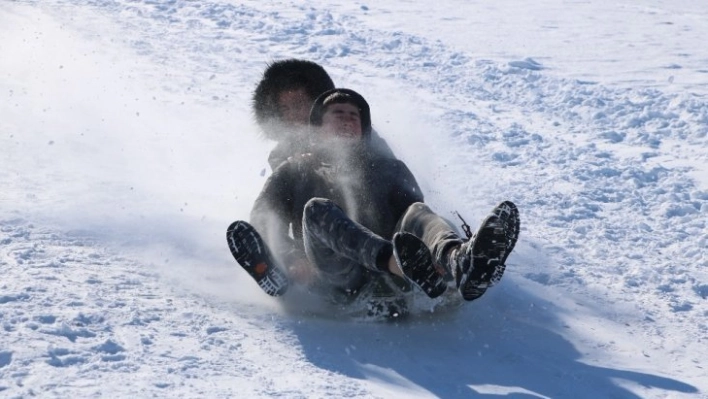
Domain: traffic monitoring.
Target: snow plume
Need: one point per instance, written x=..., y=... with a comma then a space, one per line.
x=127, y=147
x=159, y=181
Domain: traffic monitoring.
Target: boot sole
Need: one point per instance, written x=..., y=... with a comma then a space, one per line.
x=251, y=252
x=494, y=242
x=416, y=263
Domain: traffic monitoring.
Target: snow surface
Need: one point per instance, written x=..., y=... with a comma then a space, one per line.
x=127, y=147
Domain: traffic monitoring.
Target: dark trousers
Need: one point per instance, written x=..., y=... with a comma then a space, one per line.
x=347, y=253
x=344, y=251
x=436, y=232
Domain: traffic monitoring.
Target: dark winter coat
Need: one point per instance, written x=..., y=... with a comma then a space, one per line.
x=297, y=144
x=372, y=190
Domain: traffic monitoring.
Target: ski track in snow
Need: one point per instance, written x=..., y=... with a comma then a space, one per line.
x=610, y=182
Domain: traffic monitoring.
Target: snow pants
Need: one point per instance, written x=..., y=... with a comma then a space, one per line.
x=347, y=253
x=435, y=231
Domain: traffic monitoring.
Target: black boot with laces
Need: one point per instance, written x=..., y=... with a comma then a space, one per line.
x=479, y=263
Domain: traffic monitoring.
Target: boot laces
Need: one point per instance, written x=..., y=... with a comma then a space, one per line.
x=465, y=227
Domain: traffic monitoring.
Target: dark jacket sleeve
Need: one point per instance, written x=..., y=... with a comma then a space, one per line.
x=273, y=211
x=292, y=145
x=380, y=147
x=405, y=191
x=278, y=155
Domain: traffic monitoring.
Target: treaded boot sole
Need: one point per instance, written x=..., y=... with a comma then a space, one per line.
x=416, y=263
x=251, y=252
x=488, y=249
x=508, y=215
x=494, y=242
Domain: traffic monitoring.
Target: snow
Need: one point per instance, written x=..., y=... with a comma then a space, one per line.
x=127, y=147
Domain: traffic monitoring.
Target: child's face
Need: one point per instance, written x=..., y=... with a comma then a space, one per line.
x=342, y=120
x=294, y=107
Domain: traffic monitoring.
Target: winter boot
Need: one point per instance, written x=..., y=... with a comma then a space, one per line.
x=416, y=263
x=480, y=262
x=253, y=255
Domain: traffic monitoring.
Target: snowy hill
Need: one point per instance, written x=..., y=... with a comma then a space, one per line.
x=127, y=147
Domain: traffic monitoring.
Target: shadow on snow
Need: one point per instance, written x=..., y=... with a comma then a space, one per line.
x=472, y=352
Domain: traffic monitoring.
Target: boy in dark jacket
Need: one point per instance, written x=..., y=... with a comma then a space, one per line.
x=355, y=215
x=281, y=104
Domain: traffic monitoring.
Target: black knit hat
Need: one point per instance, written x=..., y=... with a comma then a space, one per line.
x=342, y=96
x=281, y=76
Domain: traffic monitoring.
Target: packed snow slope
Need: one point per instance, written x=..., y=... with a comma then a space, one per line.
x=127, y=147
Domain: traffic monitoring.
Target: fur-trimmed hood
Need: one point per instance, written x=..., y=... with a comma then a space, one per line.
x=281, y=76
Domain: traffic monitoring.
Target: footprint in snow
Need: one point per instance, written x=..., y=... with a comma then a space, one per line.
x=5, y=358
x=528, y=63
x=62, y=357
